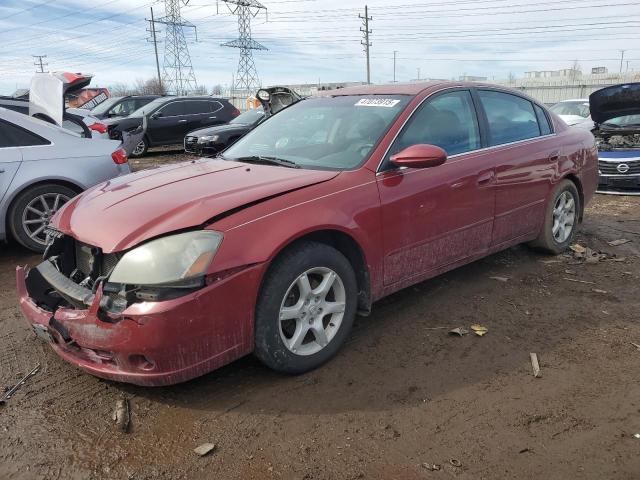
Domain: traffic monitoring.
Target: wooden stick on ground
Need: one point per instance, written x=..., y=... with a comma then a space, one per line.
x=535, y=365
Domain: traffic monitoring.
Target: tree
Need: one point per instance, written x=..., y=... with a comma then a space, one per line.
x=200, y=90
x=216, y=90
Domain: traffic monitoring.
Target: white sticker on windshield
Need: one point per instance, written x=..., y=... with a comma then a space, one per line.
x=377, y=102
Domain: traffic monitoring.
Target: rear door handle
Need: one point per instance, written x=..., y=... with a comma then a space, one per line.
x=486, y=178
x=554, y=156
x=182, y=121
x=213, y=117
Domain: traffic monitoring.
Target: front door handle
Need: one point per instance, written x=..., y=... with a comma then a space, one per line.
x=553, y=157
x=182, y=121
x=213, y=117
x=486, y=178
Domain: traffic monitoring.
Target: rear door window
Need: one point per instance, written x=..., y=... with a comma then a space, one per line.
x=13, y=136
x=448, y=121
x=543, y=121
x=196, y=107
x=511, y=118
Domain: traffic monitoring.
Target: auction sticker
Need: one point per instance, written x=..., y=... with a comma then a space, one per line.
x=377, y=102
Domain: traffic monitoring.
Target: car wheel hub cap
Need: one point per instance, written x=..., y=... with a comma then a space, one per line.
x=312, y=311
x=564, y=216
x=37, y=215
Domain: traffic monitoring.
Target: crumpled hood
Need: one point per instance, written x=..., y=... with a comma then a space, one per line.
x=119, y=214
x=615, y=101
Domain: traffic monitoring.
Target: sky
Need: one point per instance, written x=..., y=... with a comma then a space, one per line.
x=312, y=41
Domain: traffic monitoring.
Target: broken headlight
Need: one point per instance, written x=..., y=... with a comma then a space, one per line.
x=174, y=260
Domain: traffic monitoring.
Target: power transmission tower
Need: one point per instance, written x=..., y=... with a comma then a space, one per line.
x=365, y=32
x=37, y=61
x=177, y=75
x=152, y=31
x=247, y=76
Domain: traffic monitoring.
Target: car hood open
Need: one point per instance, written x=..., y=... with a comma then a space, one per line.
x=615, y=101
x=125, y=211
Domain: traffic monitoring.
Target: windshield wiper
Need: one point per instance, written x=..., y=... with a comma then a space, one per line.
x=266, y=159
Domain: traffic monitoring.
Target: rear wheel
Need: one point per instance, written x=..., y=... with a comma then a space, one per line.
x=32, y=210
x=305, y=309
x=561, y=219
x=141, y=148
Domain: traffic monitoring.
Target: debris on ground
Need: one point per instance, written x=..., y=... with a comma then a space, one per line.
x=587, y=255
x=636, y=345
x=432, y=467
x=121, y=414
x=455, y=462
x=636, y=435
x=479, y=329
x=620, y=241
x=535, y=365
x=13, y=389
x=460, y=331
x=577, y=248
x=597, y=290
x=578, y=281
x=500, y=279
x=205, y=449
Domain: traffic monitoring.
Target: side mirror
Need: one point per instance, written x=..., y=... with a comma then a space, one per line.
x=420, y=156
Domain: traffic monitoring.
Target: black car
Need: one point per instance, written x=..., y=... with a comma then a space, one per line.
x=214, y=139
x=166, y=120
x=121, y=106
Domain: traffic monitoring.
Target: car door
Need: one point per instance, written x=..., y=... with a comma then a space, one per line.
x=519, y=136
x=124, y=108
x=434, y=217
x=167, y=124
x=11, y=137
x=202, y=113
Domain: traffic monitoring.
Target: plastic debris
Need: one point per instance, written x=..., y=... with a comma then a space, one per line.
x=205, y=449
x=636, y=435
x=620, y=241
x=578, y=248
x=460, y=331
x=121, y=414
x=455, y=462
x=597, y=290
x=432, y=467
x=500, y=279
x=479, y=329
x=535, y=365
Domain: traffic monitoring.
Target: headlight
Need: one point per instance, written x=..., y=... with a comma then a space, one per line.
x=208, y=138
x=168, y=260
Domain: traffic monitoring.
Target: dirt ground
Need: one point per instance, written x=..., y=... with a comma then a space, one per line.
x=401, y=396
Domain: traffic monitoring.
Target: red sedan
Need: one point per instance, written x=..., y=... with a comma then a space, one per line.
x=274, y=246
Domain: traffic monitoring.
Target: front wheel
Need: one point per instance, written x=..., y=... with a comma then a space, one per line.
x=561, y=219
x=305, y=308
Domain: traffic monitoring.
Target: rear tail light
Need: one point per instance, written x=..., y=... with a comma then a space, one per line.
x=120, y=156
x=235, y=112
x=98, y=127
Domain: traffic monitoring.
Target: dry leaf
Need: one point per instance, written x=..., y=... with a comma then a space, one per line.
x=479, y=329
x=578, y=248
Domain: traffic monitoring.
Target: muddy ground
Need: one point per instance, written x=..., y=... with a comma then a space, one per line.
x=401, y=396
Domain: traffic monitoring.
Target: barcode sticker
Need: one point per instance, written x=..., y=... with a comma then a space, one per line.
x=377, y=102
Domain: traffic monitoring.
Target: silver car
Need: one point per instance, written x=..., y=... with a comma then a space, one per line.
x=42, y=166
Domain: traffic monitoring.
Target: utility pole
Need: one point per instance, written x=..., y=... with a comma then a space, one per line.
x=366, y=43
x=152, y=30
x=621, y=59
x=246, y=79
x=394, y=65
x=37, y=61
x=418, y=73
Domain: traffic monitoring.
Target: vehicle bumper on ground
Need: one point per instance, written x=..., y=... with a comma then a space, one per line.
x=152, y=343
x=619, y=172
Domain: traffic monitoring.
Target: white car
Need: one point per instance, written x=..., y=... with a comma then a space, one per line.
x=42, y=166
x=573, y=112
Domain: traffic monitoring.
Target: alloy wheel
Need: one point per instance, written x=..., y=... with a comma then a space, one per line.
x=38, y=212
x=139, y=150
x=312, y=311
x=564, y=217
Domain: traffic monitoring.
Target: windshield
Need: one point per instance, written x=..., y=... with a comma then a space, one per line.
x=624, y=121
x=142, y=111
x=106, y=105
x=579, y=108
x=334, y=133
x=249, y=117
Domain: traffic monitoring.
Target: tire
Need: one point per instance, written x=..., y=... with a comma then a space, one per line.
x=549, y=239
x=281, y=289
x=141, y=148
x=25, y=208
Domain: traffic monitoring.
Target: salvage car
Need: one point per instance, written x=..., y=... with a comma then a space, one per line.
x=122, y=106
x=616, y=116
x=166, y=120
x=42, y=167
x=572, y=111
x=214, y=139
x=324, y=208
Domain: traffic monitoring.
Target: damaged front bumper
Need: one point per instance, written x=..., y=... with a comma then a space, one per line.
x=149, y=343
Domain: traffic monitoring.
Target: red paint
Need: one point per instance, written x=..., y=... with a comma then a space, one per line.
x=410, y=224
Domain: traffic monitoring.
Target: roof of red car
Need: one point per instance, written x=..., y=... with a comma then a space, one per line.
x=389, y=89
